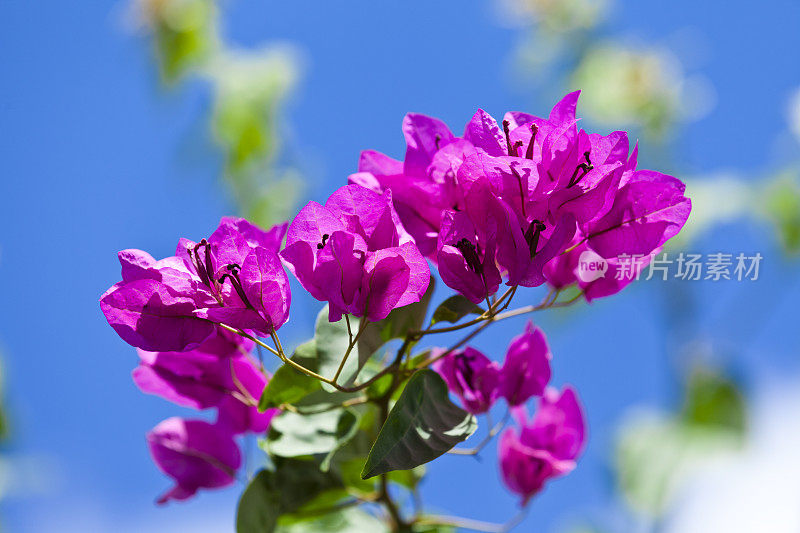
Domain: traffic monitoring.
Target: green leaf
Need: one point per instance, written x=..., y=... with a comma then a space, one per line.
x=408, y=478
x=655, y=455
x=350, y=471
x=714, y=401
x=396, y=325
x=422, y=425
x=380, y=386
x=272, y=493
x=306, y=355
x=287, y=386
x=454, y=309
x=320, y=505
x=346, y=429
x=296, y=435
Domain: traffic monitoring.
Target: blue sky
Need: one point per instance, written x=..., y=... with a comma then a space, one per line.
x=95, y=158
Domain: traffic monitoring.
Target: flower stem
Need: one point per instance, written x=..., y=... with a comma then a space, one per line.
x=353, y=341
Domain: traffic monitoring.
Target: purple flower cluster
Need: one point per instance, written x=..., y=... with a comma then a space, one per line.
x=219, y=374
x=548, y=445
x=524, y=200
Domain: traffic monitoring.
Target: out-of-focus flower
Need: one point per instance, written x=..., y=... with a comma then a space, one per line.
x=641, y=86
x=471, y=376
x=238, y=412
x=195, y=454
x=526, y=370
x=479, y=382
x=353, y=253
x=235, y=277
x=564, y=16
x=199, y=378
x=546, y=447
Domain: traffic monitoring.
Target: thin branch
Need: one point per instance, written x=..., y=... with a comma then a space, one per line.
x=475, y=525
x=248, y=336
x=353, y=342
x=349, y=331
x=547, y=303
x=487, y=315
x=486, y=440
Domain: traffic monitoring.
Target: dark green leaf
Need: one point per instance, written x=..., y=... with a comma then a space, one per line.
x=323, y=503
x=454, y=309
x=422, y=425
x=273, y=493
x=712, y=400
x=287, y=386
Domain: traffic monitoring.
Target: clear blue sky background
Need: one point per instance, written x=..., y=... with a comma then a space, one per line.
x=95, y=158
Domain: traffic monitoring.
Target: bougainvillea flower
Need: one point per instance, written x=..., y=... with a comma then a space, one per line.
x=195, y=454
x=471, y=376
x=614, y=273
x=239, y=267
x=353, y=253
x=546, y=447
x=425, y=184
x=198, y=378
x=153, y=306
x=466, y=257
x=649, y=209
x=526, y=370
x=543, y=171
x=235, y=277
x=238, y=412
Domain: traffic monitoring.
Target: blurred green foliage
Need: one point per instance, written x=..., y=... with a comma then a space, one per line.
x=641, y=86
x=715, y=402
x=626, y=86
x=782, y=207
x=184, y=33
x=249, y=89
x=656, y=452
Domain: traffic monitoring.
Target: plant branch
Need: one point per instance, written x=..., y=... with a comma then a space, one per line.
x=486, y=440
x=475, y=525
x=353, y=341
